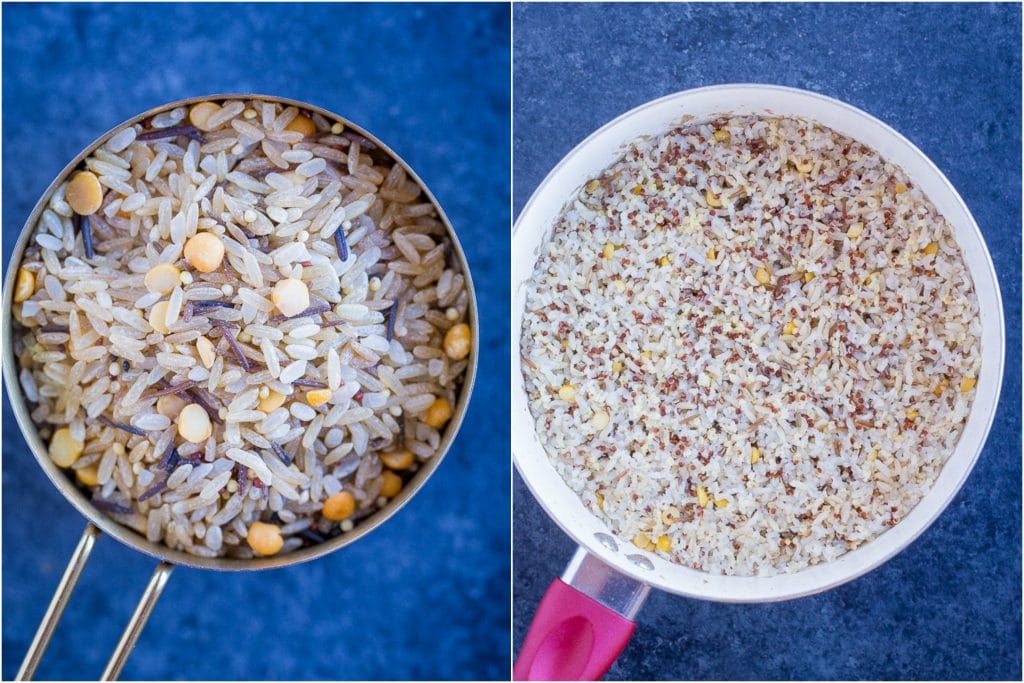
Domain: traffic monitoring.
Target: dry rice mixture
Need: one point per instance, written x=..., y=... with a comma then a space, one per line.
x=241, y=327
x=750, y=345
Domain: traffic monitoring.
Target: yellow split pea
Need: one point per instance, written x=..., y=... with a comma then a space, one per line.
x=162, y=278
x=65, y=448
x=170, y=406
x=457, y=342
x=205, y=349
x=439, y=412
x=318, y=397
x=204, y=251
x=702, y=496
x=25, y=285
x=158, y=317
x=643, y=541
x=340, y=506
x=264, y=539
x=290, y=296
x=194, y=424
x=88, y=475
x=391, y=484
x=271, y=402
x=398, y=460
x=84, y=193
x=201, y=113
x=302, y=124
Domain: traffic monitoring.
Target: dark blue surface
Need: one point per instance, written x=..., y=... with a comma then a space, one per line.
x=948, y=77
x=427, y=594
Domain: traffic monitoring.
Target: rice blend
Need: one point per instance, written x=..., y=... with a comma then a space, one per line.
x=238, y=315
x=750, y=345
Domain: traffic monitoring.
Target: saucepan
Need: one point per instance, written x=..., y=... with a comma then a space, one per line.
x=587, y=616
x=99, y=522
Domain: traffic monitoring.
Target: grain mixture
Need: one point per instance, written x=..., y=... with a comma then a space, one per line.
x=750, y=345
x=241, y=328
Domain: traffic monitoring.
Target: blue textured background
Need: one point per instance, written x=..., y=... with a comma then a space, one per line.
x=427, y=594
x=948, y=77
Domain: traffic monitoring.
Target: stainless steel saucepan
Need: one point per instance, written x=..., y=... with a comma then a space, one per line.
x=99, y=522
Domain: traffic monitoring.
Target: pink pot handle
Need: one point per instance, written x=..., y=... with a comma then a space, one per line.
x=572, y=638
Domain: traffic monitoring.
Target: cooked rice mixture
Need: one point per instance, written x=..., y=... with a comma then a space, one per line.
x=242, y=328
x=750, y=345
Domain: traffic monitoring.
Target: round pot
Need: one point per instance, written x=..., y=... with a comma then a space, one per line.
x=613, y=573
x=98, y=520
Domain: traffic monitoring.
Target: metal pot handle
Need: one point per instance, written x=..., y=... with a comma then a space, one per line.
x=63, y=594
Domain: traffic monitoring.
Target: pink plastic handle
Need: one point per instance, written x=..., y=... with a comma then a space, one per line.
x=572, y=638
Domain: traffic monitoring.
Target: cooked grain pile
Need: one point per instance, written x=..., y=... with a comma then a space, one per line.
x=750, y=345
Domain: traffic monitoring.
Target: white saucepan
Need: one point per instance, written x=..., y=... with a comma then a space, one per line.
x=585, y=619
